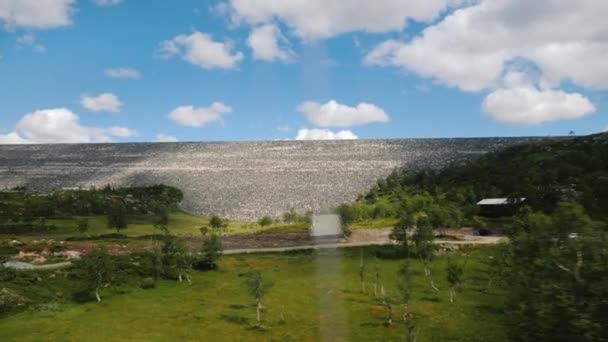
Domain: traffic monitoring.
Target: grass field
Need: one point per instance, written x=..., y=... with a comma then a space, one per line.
x=180, y=223
x=317, y=292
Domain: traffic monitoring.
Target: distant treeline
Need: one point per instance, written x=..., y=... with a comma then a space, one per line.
x=20, y=205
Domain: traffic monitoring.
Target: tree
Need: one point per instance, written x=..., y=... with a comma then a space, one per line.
x=217, y=223
x=404, y=285
x=399, y=232
x=83, y=226
x=290, y=217
x=257, y=289
x=265, y=221
x=361, y=271
x=376, y=276
x=162, y=215
x=425, y=249
x=557, y=282
x=211, y=250
x=98, y=270
x=176, y=263
x=388, y=305
x=117, y=215
x=454, y=273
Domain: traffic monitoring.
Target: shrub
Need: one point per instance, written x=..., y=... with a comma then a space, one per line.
x=8, y=250
x=148, y=283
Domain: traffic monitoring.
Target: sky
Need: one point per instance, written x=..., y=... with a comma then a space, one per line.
x=74, y=71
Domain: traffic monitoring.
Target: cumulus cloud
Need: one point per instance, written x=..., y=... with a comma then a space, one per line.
x=264, y=42
x=471, y=47
x=107, y=2
x=59, y=125
x=320, y=19
x=201, y=50
x=334, y=114
x=36, y=14
x=123, y=72
x=524, y=104
x=107, y=102
x=13, y=138
x=324, y=134
x=198, y=117
x=165, y=138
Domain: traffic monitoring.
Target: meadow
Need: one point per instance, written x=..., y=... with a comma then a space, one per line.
x=316, y=295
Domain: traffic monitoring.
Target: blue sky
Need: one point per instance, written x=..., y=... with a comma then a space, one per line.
x=194, y=70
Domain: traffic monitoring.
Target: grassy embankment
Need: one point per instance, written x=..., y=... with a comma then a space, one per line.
x=317, y=292
x=181, y=223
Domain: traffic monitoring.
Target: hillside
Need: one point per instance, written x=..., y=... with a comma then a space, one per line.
x=545, y=172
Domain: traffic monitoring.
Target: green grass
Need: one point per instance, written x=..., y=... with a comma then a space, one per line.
x=384, y=222
x=180, y=223
x=318, y=292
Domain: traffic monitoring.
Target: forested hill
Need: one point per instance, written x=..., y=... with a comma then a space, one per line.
x=545, y=172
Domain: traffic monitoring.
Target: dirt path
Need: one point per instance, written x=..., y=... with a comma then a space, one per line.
x=368, y=237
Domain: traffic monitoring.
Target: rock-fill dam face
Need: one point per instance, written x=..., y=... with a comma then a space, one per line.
x=238, y=180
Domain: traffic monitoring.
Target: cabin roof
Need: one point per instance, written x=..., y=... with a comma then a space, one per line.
x=500, y=201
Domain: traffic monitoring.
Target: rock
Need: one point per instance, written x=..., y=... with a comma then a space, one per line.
x=15, y=243
x=39, y=260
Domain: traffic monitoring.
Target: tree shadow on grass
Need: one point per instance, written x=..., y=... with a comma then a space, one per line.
x=235, y=319
x=431, y=299
x=237, y=306
x=490, y=309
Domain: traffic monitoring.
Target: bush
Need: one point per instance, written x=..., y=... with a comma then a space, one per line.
x=148, y=283
x=83, y=295
x=8, y=250
x=7, y=274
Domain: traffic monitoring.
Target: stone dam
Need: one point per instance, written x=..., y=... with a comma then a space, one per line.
x=238, y=180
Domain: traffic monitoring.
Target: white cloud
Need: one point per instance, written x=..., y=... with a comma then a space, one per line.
x=334, y=114
x=103, y=102
x=59, y=125
x=471, y=48
x=12, y=139
x=264, y=41
x=29, y=39
x=124, y=72
x=201, y=50
x=121, y=132
x=198, y=117
x=165, y=138
x=36, y=14
x=107, y=2
x=320, y=19
x=324, y=134
x=525, y=104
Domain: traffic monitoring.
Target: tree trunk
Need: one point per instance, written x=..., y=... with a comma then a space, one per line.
x=179, y=277
x=188, y=279
x=375, y=290
x=490, y=281
x=258, y=311
x=389, y=319
x=97, y=294
x=451, y=295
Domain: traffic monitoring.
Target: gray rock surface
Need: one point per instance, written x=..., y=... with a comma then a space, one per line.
x=238, y=180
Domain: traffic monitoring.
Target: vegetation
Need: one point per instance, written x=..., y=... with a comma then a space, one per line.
x=557, y=276
x=217, y=303
x=265, y=221
x=545, y=173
